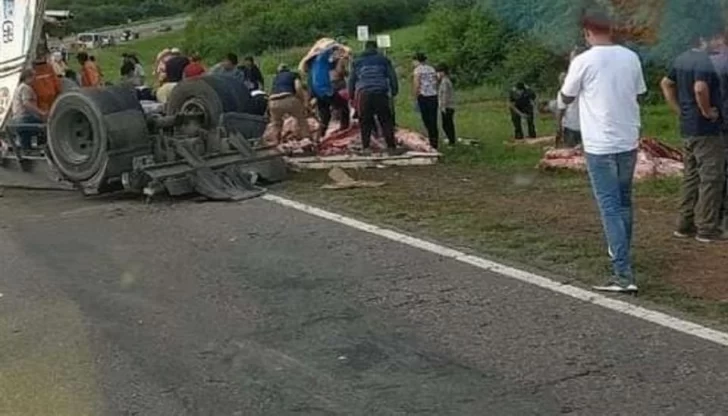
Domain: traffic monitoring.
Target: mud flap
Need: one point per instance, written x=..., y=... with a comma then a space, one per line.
x=230, y=183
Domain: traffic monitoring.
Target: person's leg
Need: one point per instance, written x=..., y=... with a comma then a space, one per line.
x=428, y=112
x=344, y=113
x=689, y=193
x=297, y=109
x=708, y=152
x=448, y=124
x=626, y=163
x=383, y=111
x=531, y=125
x=724, y=213
x=276, y=117
x=569, y=137
x=393, y=106
x=366, y=118
x=517, y=127
x=604, y=174
x=323, y=104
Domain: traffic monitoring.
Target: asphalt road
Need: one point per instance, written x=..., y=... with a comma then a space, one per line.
x=145, y=29
x=117, y=308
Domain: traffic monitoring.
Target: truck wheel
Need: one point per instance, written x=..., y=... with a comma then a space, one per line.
x=95, y=133
x=213, y=95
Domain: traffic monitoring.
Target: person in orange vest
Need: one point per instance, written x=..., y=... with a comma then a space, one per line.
x=46, y=84
x=90, y=76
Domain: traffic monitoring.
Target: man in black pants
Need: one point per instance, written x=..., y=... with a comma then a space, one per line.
x=374, y=82
x=522, y=103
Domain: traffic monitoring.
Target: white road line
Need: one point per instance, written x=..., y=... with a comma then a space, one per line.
x=626, y=308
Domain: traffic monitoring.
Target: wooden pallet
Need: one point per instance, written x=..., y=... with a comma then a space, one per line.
x=360, y=162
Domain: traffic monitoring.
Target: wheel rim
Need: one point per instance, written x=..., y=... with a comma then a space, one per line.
x=76, y=139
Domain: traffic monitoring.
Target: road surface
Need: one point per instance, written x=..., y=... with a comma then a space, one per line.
x=112, y=307
x=145, y=29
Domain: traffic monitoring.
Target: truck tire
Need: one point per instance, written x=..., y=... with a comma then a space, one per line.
x=213, y=95
x=94, y=133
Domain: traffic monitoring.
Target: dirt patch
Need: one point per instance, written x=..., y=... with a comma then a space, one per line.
x=545, y=220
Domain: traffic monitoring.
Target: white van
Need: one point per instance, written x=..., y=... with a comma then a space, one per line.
x=88, y=40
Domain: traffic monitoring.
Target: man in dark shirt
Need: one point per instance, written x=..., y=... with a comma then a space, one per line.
x=175, y=66
x=253, y=76
x=522, y=103
x=692, y=89
x=373, y=81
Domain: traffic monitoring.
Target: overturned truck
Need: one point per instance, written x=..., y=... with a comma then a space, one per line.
x=101, y=140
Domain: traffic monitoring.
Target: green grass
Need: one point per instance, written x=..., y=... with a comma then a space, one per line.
x=491, y=198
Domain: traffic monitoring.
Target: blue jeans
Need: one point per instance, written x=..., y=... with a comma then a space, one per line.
x=611, y=179
x=26, y=133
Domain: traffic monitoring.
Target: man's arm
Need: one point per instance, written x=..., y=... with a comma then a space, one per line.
x=572, y=82
x=702, y=98
x=352, y=81
x=392, y=75
x=259, y=75
x=415, y=85
x=30, y=104
x=669, y=91
x=512, y=106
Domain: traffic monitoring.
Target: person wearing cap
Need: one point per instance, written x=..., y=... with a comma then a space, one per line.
x=288, y=97
x=522, y=103
x=424, y=89
x=607, y=80
x=373, y=80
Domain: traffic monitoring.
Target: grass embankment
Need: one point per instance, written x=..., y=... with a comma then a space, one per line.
x=491, y=198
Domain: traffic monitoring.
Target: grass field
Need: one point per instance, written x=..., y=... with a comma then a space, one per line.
x=492, y=199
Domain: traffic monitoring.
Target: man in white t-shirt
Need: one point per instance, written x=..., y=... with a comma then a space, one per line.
x=607, y=80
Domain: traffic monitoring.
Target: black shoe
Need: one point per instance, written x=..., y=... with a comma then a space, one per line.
x=396, y=151
x=366, y=152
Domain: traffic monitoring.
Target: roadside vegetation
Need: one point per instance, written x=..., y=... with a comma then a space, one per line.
x=489, y=197
x=94, y=14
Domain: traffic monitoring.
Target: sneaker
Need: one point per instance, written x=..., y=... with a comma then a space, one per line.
x=682, y=234
x=614, y=286
x=706, y=239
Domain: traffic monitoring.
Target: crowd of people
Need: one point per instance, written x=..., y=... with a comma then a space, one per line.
x=598, y=107
x=368, y=85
